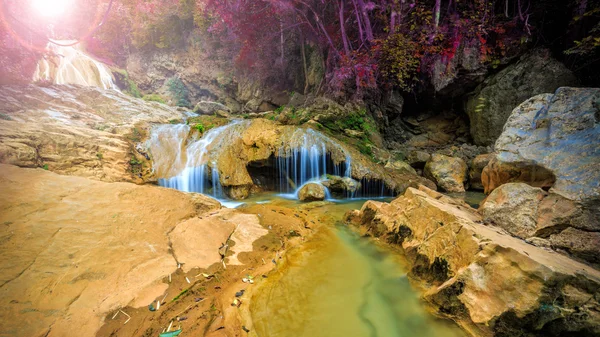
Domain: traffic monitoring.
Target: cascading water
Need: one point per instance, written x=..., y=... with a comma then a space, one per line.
x=72, y=65
x=191, y=169
x=307, y=159
x=303, y=156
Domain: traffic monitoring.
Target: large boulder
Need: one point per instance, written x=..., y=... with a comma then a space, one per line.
x=476, y=166
x=450, y=174
x=490, y=105
x=489, y=282
x=210, y=108
x=341, y=185
x=544, y=219
x=400, y=166
x=312, y=192
x=514, y=207
x=552, y=140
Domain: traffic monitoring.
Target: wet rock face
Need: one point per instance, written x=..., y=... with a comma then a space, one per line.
x=493, y=284
x=551, y=140
x=544, y=219
x=492, y=102
x=341, y=185
x=312, y=192
x=75, y=130
x=450, y=174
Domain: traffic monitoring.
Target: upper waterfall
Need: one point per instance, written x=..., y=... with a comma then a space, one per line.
x=71, y=65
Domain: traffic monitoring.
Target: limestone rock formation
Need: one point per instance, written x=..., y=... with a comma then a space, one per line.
x=544, y=219
x=259, y=143
x=312, y=192
x=490, y=282
x=75, y=130
x=492, y=102
x=551, y=140
x=450, y=174
x=476, y=166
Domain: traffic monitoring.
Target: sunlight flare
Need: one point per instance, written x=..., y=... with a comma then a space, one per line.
x=51, y=8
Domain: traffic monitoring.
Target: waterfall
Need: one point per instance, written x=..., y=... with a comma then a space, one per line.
x=71, y=65
x=190, y=163
x=308, y=158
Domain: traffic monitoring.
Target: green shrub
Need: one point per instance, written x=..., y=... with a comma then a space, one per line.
x=179, y=91
x=154, y=98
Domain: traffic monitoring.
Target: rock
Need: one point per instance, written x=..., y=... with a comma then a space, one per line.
x=489, y=282
x=97, y=247
x=581, y=244
x=297, y=100
x=312, y=192
x=210, y=108
x=513, y=207
x=476, y=166
x=491, y=103
x=418, y=159
x=551, y=141
x=76, y=130
x=450, y=174
x=341, y=185
x=354, y=133
x=532, y=214
x=400, y=166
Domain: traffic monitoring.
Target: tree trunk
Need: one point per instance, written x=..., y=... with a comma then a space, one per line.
x=302, y=46
x=343, y=28
x=359, y=22
x=282, y=40
x=366, y=20
x=436, y=14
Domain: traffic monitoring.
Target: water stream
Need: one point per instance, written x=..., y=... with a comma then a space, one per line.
x=337, y=284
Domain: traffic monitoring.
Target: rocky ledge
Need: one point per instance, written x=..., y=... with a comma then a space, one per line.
x=490, y=282
x=76, y=130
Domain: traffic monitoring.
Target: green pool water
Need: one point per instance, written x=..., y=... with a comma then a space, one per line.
x=340, y=285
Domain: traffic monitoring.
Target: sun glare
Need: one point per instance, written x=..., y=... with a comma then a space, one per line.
x=51, y=8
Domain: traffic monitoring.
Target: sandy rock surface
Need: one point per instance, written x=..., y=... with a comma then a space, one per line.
x=75, y=249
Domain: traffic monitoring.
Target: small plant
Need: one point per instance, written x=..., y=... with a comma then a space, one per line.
x=45, y=167
x=99, y=156
x=134, y=161
x=174, y=121
x=280, y=109
x=179, y=296
x=199, y=127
